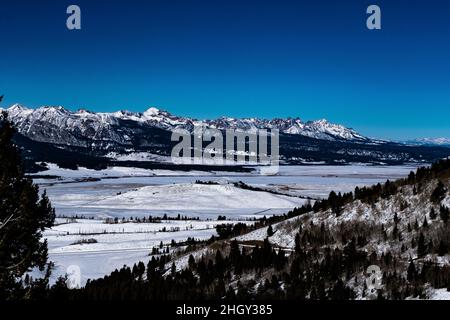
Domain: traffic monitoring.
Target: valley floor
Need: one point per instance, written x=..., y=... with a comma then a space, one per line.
x=96, y=197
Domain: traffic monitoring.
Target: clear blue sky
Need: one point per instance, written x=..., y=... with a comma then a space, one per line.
x=244, y=58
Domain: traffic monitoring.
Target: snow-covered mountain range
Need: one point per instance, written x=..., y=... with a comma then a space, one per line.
x=429, y=141
x=96, y=140
x=59, y=125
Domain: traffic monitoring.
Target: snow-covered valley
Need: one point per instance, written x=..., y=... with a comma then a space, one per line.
x=109, y=230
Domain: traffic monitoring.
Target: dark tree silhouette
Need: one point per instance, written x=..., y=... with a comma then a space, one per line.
x=23, y=217
x=421, y=246
x=270, y=231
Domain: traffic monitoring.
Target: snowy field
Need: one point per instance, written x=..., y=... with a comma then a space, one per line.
x=71, y=195
x=130, y=192
x=116, y=244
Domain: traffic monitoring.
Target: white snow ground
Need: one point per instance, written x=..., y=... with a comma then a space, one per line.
x=116, y=244
x=198, y=197
x=132, y=192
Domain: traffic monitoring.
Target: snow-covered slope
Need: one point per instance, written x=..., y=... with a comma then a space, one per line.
x=201, y=197
x=403, y=232
x=407, y=205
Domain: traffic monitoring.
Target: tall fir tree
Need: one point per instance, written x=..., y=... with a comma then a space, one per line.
x=432, y=214
x=444, y=213
x=23, y=217
x=270, y=231
x=439, y=193
x=443, y=248
x=412, y=273
x=421, y=246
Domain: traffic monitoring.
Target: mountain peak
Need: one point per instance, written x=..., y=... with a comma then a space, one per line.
x=58, y=109
x=18, y=109
x=83, y=110
x=17, y=106
x=152, y=111
x=322, y=121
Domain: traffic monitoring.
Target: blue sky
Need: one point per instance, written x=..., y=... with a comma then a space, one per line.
x=247, y=58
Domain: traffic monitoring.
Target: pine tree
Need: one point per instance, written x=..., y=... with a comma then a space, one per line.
x=439, y=193
x=411, y=177
x=395, y=232
x=425, y=223
x=173, y=269
x=443, y=249
x=413, y=243
x=23, y=217
x=141, y=269
x=270, y=231
x=412, y=273
x=191, y=262
x=430, y=247
x=421, y=246
x=432, y=214
x=444, y=213
x=396, y=219
x=219, y=289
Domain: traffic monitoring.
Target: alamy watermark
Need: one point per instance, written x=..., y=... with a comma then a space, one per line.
x=209, y=146
x=374, y=20
x=374, y=279
x=73, y=21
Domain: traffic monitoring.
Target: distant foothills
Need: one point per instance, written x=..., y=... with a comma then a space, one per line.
x=96, y=140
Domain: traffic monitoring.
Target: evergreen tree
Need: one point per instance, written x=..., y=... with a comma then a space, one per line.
x=443, y=249
x=430, y=247
x=23, y=217
x=270, y=231
x=395, y=232
x=297, y=243
x=191, y=262
x=412, y=273
x=439, y=193
x=425, y=223
x=411, y=177
x=444, y=213
x=173, y=269
x=421, y=246
x=432, y=214
x=413, y=242
x=396, y=219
